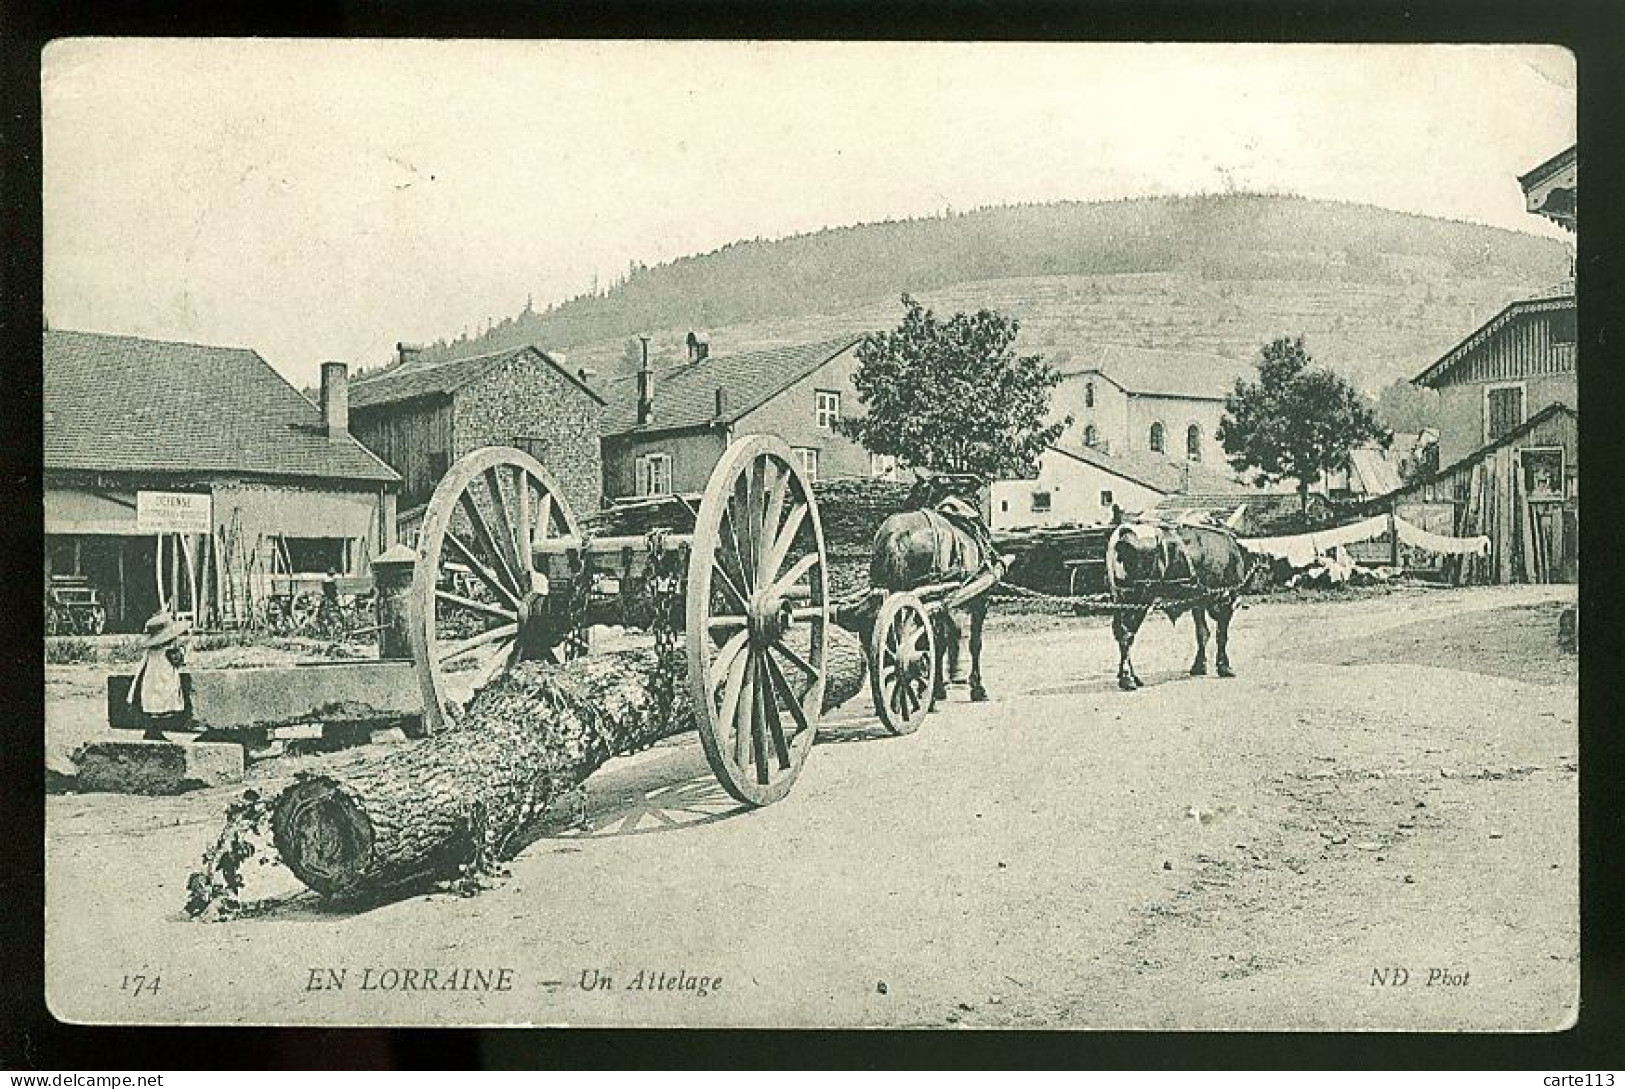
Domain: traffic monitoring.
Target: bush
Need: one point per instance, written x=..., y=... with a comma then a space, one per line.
x=76, y=650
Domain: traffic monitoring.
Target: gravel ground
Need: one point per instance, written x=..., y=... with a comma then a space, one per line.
x=1390, y=783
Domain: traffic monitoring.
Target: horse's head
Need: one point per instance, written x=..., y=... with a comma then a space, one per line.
x=932, y=490
x=1136, y=554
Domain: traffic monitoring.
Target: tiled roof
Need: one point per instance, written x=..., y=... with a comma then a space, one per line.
x=1557, y=297
x=1169, y=374
x=413, y=380
x=117, y=403
x=1377, y=475
x=686, y=395
x=1157, y=472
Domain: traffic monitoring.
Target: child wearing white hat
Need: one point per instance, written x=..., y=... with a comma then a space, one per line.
x=156, y=690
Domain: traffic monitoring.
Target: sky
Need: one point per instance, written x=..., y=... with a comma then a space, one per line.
x=322, y=200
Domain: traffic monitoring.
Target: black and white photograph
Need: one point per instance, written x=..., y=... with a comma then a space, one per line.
x=811, y=534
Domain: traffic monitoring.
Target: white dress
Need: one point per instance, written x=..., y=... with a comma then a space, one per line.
x=158, y=685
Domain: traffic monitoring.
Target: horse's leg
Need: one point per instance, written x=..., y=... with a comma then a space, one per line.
x=1221, y=615
x=1124, y=630
x=947, y=652
x=978, y=615
x=951, y=636
x=1199, y=667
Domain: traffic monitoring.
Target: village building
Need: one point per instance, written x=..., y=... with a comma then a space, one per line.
x=420, y=417
x=1148, y=400
x=1508, y=423
x=666, y=428
x=1081, y=486
x=197, y=478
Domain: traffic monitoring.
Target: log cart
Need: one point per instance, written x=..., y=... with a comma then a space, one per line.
x=505, y=574
x=901, y=642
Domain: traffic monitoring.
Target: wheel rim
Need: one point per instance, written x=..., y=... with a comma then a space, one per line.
x=758, y=619
x=478, y=603
x=903, y=655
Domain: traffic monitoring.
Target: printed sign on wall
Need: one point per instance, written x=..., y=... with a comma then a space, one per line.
x=173, y=512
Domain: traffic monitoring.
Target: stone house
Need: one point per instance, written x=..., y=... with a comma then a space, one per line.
x=1148, y=400
x=666, y=429
x=197, y=478
x=421, y=417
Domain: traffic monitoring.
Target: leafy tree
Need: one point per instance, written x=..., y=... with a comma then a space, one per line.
x=1297, y=422
x=954, y=396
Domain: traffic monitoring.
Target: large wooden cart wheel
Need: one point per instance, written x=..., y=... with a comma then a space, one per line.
x=758, y=619
x=477, y=603
x=902, y=663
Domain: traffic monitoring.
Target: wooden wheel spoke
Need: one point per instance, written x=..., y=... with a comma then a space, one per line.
x=544, y=515
x=729, y=707
x=800, y=662
x=482, y=536
x=477, y=606
x=785, y=540
x=445, y=652
x=756, y=527
x=782, y=686
x=723, y=666
x=730, y=522
x=770, y=518
x=730, y=588
x=744, y=711
x=466, y=555
x=770, y=713
x=525, y=532
x=797, y=570
x=504, y=532
x=719, y=624
x=758, y=723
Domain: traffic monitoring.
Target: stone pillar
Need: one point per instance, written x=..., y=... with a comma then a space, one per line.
x=392, y=577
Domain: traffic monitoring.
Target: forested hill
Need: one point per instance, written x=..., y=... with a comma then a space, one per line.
x=1379, y=294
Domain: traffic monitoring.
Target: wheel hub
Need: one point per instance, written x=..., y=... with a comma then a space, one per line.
x=769, y=618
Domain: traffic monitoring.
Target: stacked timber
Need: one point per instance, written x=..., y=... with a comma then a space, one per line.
x=1041, y=557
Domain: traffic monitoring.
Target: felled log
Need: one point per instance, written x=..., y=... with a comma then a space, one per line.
x=457, y=801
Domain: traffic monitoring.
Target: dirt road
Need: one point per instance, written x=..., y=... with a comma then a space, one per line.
x=1387, y=792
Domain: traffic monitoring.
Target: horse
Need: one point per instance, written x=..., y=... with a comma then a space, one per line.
x=1200, y=569
x=939, y=536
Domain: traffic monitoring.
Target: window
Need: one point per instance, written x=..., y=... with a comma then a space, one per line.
x=1193, y=443
x=1088, y=395
x=807, y=458
x=1091, y=435
x=1158, y=441
x=1105, y=499
x=313, y=555
x=1563, y=327
x=654, y=474
x=882, y=465
x=1503, y=410
x=1041, y=502
x=828, y=406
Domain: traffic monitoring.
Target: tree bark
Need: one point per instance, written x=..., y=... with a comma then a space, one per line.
x=459, y=799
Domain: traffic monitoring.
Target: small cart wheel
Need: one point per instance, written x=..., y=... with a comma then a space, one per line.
x=477, y=604
x=758, y=620
x=902, y=663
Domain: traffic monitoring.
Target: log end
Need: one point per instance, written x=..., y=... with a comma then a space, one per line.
x=323, y=836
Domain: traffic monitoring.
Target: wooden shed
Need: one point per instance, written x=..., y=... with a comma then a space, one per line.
x=1521, y=491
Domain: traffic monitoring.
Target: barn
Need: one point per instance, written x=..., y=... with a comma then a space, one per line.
x=420, y=417
x=197, y=478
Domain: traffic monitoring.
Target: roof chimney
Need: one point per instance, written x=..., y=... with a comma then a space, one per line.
x=722, y=402
x=646, y=387
x=697, y=348
x=405, y=353
x=336, y=399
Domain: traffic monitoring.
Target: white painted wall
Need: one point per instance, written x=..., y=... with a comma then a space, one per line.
x=1074, y=489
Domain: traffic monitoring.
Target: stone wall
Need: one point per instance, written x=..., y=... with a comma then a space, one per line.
x=528, y=404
